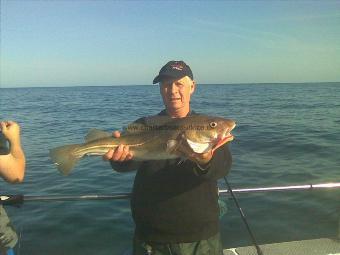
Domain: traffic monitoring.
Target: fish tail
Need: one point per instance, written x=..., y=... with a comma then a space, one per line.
x=65, y=158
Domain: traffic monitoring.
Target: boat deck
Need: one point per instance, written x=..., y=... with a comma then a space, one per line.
x=322, y=246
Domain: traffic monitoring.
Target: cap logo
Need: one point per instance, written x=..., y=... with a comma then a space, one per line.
x=178, y=67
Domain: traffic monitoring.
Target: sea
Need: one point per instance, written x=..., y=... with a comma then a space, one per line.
x=286, y=134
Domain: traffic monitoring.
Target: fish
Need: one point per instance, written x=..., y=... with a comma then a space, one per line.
x=156, y=138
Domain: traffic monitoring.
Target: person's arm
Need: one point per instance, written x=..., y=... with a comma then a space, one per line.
x=126, y=166
x=12, y=165
x=218, y=167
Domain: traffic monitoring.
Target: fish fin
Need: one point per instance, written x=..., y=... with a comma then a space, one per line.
x=199, y=147
x=171, y=145
x=95, y=134
x=64, y=158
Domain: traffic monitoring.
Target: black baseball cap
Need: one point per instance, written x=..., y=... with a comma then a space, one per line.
x=173, y=70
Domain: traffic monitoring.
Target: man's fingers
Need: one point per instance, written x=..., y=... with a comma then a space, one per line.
x=129, y=156
x=117, y=153
x=124, y=153
x=120, y=154
x=108, y=155
x=7, y=123
x=204, y=157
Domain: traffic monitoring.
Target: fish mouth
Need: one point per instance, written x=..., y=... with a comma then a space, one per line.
x=226, y=137
x=223, y=141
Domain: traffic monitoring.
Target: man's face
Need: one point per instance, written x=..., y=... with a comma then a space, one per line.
x=176, y=94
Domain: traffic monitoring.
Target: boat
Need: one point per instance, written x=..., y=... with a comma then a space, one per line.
x=322, y=246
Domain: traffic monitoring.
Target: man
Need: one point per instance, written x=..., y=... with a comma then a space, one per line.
x=174, y=203
x=12, y=170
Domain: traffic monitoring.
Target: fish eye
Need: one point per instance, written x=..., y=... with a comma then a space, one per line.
x=213, y=124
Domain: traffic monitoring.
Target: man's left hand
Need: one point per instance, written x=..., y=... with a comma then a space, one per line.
x=201, y=158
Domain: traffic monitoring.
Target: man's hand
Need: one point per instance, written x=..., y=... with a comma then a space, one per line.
x=202, y=158
x=184, y=149
x=11, y=131
x=120, y=154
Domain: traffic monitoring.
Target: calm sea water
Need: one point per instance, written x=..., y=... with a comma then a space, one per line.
x=287, y=134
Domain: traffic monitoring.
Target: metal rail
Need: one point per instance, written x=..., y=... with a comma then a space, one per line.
x=18, y=199
x=330, y=185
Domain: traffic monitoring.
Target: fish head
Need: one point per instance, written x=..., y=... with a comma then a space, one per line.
x=205, y=133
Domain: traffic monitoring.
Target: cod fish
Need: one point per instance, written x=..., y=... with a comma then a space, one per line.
x=158, y=137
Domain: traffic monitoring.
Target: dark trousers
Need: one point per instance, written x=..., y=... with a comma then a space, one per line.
x=8, y=236
x=211, y=246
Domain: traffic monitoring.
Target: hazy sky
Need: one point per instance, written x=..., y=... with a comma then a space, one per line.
x=78, y=42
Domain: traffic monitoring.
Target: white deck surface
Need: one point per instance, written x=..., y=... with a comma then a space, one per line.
x=323, y=246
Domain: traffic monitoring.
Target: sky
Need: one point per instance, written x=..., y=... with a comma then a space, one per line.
x=104, y=43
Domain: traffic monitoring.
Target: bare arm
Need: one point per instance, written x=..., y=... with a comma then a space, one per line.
x=12, y=165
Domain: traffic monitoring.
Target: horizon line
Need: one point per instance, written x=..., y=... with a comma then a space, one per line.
x=199, y=84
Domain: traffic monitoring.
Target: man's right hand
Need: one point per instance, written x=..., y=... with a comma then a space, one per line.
x=120, y=154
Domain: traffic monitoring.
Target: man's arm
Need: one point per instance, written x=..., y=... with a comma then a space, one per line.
x=127, y=166
x=12, y=165
x=218, y=167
